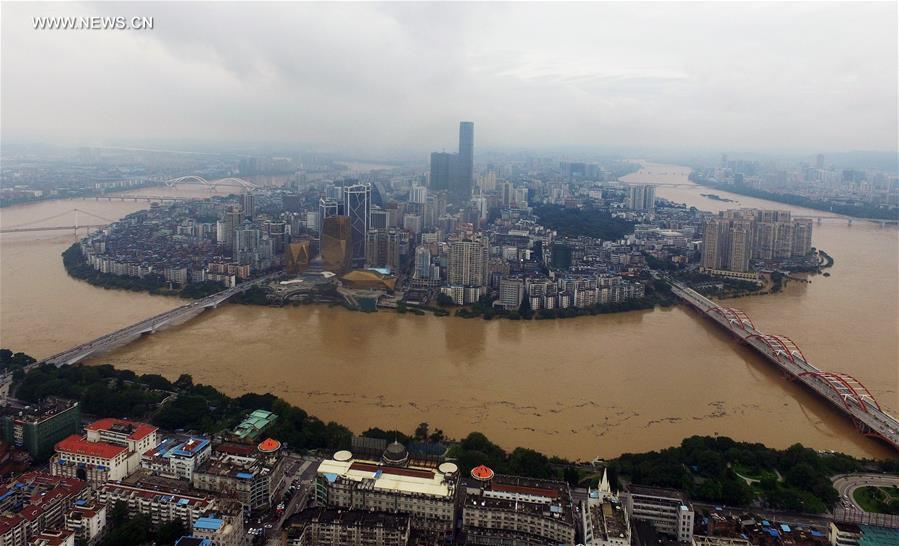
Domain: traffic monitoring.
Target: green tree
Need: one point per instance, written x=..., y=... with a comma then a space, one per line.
x=422, y=431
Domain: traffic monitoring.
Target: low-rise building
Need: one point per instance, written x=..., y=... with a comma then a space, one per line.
x=335, y=527
x=36, y=429
x=667, y=510
x=500, y=510
x=255, y=424
x=159, y=504
x=604, y=517
x=58, y=537
x=253, y=474
x=35, y=502
x=111, y=450
x=177, y=457
x=394, y=484
x=220, y=529
x=87, y=521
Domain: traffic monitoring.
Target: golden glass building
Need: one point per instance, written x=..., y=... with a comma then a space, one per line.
x=297, y=256
x=335, y=243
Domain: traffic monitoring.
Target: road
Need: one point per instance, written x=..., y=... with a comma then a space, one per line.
x=301, y=472
x=847, y=484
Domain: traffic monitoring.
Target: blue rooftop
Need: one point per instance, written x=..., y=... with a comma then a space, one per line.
x=208, y=524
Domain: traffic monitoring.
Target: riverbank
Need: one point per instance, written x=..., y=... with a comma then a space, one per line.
x=703, y=466
x=77, y=267
x=867, y=212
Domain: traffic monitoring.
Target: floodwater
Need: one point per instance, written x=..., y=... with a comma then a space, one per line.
x=578, y=388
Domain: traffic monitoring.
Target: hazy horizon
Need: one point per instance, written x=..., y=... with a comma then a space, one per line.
x=397, y=78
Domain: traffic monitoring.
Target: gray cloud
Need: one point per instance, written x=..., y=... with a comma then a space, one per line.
x=755, y=76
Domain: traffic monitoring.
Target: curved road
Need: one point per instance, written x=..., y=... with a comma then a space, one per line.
x=847, y=484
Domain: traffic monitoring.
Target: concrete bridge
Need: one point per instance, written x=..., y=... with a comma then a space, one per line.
x=846, y=393
x=126, y=197
x=148, y=326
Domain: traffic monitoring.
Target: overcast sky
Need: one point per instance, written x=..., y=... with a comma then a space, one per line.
x=754, y=77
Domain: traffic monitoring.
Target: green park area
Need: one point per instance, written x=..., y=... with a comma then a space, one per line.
x=882, y=500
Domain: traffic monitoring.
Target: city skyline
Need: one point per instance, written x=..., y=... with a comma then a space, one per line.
x=610, y=89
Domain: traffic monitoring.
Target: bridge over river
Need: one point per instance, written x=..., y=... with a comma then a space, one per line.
x=843, y=391
x=149, y=326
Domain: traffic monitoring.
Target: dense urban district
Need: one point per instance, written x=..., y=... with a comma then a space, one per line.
x=96, y=455
x=521, y=240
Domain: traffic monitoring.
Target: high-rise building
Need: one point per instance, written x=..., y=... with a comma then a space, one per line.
x=740, y=245
x=465, y=175
x=327, y=208
x=715, y=240
x=335, y=243
x=737, y=236
x=227, y=225
x=418, y=194
x=382, y=248
x=468, y=263
x=334, y=193
x=313, y=221
x=377, y=219
x=802, y=236
x=248, y=205
x=357, y=207
x=422, y=262
x=642, y=197
x=506, y=193
x=443, y=169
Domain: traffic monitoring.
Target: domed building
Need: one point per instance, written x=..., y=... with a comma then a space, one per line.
x=396, y=454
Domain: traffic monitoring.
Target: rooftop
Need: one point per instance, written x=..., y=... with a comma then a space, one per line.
x=78, y=445
x=348, y=518
x=254, y=424
x=661, y=492
x=134, y=430
x=549, y=498
x=409, y=479
x=40, y=412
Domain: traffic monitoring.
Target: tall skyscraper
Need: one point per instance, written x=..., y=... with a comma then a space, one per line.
x=465, y=176
x=225, y=228
x=468, y=263
x=327, y=208
x=418, y=194
x=443, y=168
x=422, y=262
x=335, y=243
x=357, y=206
x=455, y=172
x=248, y=205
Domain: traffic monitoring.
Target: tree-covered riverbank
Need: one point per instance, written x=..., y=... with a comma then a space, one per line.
x=861, y=211
x=712, y=469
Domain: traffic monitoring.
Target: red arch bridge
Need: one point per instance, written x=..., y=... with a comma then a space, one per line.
x=843, y=391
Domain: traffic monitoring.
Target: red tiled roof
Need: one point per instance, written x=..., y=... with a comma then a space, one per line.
x=481, y=473
x=80, y=446
x=269, y=445
x=139, y=431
